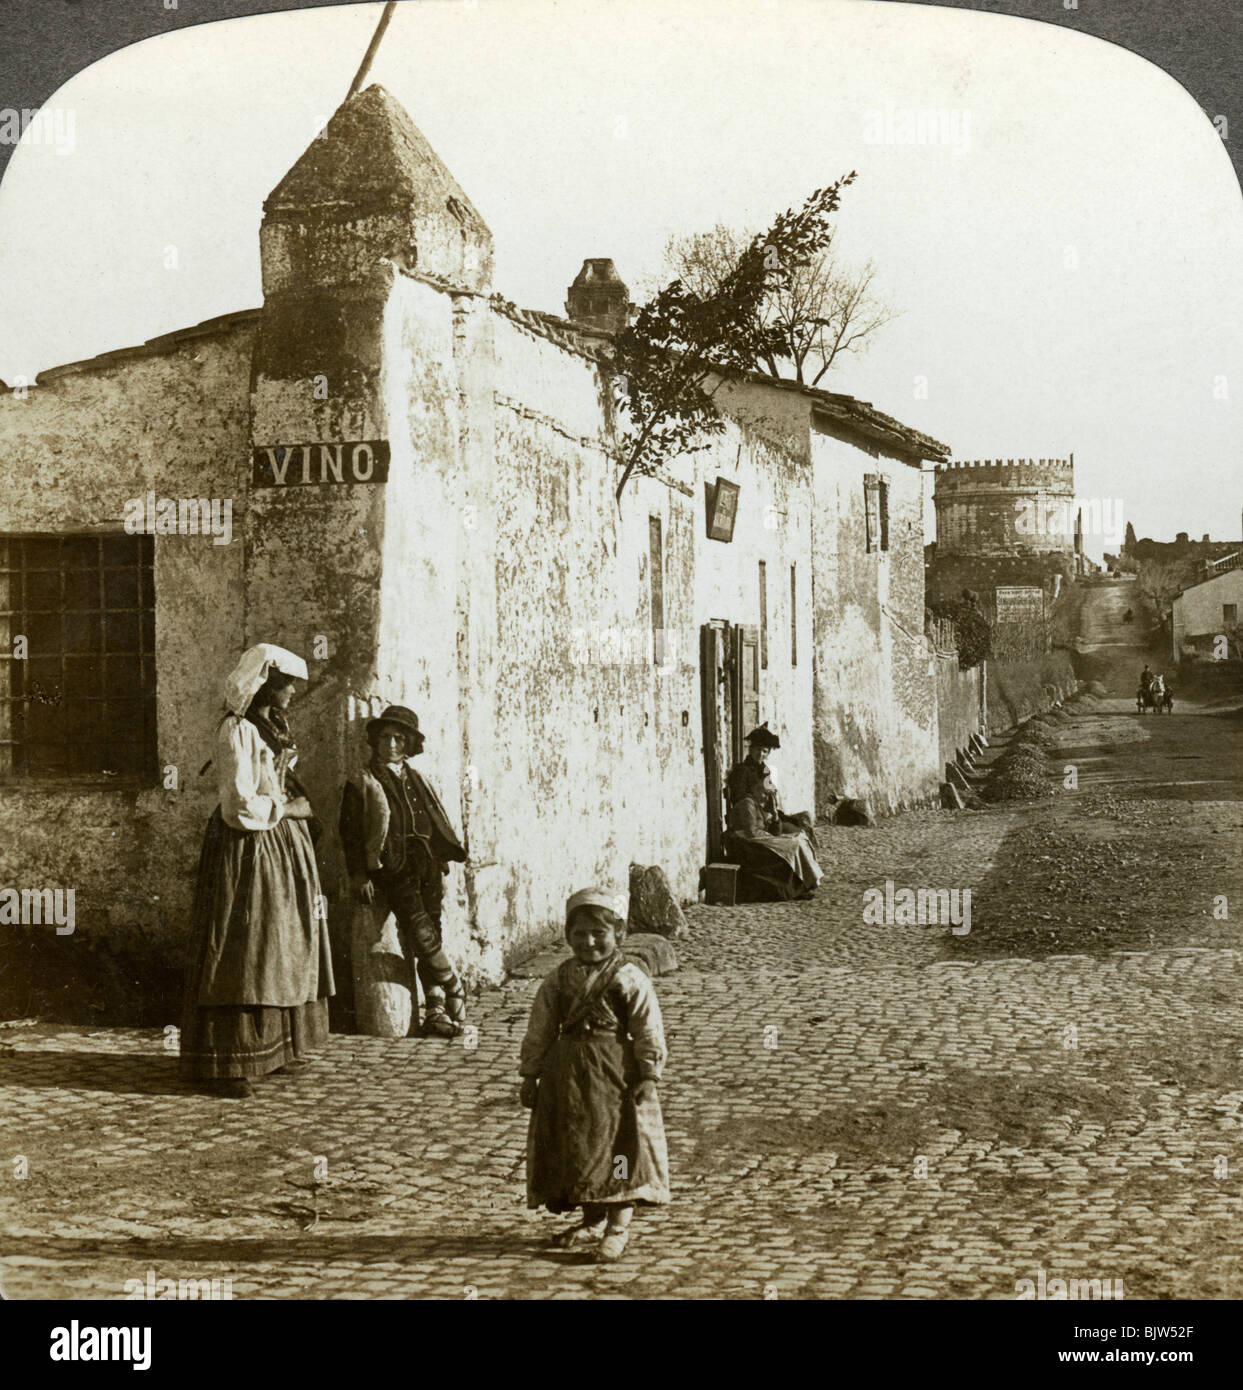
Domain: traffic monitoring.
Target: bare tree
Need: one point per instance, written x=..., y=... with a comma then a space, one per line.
x=1159, y=581
x=679, y=340
x=822, y=309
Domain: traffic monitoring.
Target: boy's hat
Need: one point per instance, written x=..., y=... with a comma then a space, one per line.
x=764, y=736
x=404, y=718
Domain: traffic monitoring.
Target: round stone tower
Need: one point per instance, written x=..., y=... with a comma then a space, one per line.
x=1005, y=507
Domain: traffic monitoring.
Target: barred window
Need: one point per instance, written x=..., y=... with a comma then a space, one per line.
x=77, y=657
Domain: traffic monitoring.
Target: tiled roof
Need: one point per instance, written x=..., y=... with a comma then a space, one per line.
x=580, y=338
x=861, y=417
x=153, y=347
x=845, y=412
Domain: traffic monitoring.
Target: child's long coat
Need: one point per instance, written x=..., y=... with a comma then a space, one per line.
x=595, y=1031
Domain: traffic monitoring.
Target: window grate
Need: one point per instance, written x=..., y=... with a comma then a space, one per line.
x=80, y=702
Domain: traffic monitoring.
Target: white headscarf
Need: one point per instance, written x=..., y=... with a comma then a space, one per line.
x=242, y=683
x=595, y=897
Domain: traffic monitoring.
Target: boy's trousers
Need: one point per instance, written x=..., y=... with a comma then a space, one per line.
x=415, y=900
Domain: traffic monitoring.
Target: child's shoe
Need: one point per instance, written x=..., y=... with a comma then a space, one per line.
x=613, y=1245
x=576, y=1236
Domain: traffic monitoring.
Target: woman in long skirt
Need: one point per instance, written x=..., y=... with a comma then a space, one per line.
x=593, y=1053
x=259, y=974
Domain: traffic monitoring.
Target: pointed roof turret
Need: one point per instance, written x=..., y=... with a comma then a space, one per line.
x=371, y=162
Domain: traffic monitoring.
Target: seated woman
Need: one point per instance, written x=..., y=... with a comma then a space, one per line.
x=774, y=849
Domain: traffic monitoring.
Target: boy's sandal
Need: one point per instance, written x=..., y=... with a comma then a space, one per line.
x=612, y=1246
x=439, y=1024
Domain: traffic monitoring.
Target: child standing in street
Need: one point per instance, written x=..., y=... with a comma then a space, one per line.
x=593, y=1053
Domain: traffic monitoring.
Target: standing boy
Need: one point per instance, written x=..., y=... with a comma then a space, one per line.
x=399, y=843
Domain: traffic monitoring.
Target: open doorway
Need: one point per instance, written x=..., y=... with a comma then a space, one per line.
x=729, y=671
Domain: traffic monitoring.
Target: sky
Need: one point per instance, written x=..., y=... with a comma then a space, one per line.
x=1065, y=251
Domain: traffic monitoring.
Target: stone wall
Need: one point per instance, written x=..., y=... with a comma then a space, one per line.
x=584, y=754
x=1017, y=690
x=874, y=707
x=172, y=420
x=960, y=705
x=875, y=711
x=949, y=574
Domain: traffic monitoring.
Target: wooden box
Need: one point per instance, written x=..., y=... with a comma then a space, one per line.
x=721, y=885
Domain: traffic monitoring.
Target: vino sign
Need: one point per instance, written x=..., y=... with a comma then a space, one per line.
x=306, y=465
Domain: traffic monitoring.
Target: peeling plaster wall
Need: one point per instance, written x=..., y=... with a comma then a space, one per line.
x=875, y=697
x=593, y=753
x=175, y=423
x=774, y=525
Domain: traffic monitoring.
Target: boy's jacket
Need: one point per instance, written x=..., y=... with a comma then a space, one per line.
x=375, y=822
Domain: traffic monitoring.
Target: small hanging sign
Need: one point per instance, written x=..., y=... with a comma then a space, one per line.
x=304, y=465
x=722, y=503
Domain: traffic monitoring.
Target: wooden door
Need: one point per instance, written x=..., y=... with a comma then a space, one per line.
x=729, y=668
x=713, y=656
x=744, y=680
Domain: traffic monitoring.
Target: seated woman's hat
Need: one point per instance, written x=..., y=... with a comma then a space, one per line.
x=401, y=716
x=764, y=736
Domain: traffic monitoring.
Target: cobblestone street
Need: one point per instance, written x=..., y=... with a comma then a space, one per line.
x=854, y=1111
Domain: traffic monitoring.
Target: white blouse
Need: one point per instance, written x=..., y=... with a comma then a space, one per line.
x=251, y=797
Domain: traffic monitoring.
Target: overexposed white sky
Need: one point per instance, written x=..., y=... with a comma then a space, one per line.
x=1069, y=266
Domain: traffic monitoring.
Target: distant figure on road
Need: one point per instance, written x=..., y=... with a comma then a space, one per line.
x=1146, y=679
x=1128, y=616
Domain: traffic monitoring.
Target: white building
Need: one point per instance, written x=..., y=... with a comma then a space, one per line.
x=1206, y=616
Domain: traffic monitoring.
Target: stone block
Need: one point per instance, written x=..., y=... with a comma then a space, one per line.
x=654, y=954
x=951, y=798
x=653, y=908
x=386, y=1001
x=854, y=811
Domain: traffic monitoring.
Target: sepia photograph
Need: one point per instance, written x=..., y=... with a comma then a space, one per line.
x=620, y=665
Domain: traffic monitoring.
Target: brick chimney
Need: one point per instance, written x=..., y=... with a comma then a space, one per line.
x=598, y=298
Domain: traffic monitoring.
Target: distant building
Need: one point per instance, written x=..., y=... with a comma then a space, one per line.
x=1004, y=523
x=1206, y=615
x=996, y=507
